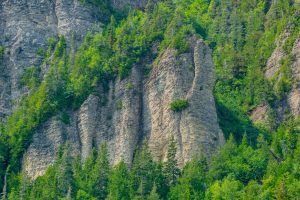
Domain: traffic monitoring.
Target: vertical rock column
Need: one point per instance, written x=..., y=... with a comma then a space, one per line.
x=191, y=77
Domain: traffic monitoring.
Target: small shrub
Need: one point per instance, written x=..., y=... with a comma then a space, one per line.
x=30, y=77
x=1, y=51
x=129, y=86
x=65, y=118
x=119, y=104
x=41, y=52
x=179, y=105
x=52, y=43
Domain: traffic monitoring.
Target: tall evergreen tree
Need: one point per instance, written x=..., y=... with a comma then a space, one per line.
x=153, y=194
x=192, y=183
x=171, y=170
x=119, y=183
x=100, y=174
x=143, y=171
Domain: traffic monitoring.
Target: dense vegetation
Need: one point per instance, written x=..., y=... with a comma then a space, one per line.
x=242, y=35
x=179, y=105
x=236, y=172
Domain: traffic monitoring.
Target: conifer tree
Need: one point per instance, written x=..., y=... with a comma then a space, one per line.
x=64, y=172
x=192, y=183
x=171, y=170
x=153, y=194
x=119, y=183
x=100, y=174
x=143, y=171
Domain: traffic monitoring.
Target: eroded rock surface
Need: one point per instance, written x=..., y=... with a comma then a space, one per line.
x=273, y=63
x=44, y=147
x=25, y=26
x=138, y=108
x=290, y=103
x=189, y=77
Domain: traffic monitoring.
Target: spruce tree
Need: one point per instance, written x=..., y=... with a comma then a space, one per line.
x=64, y=171
x=192, y=183
x=153, y=194
x=119, y=183
x=143, y=171
x=171, y=170
x=100, y=174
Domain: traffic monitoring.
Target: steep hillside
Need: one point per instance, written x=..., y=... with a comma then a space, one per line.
x=126, y=99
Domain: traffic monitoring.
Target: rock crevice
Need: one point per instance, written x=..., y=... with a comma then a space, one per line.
x=138, y=108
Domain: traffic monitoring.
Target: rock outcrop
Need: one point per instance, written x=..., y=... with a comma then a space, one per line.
x=294, y=94
x=189, y=77
x=290, y=103
x=131, y=110
x=25, y=26
x=138, y=108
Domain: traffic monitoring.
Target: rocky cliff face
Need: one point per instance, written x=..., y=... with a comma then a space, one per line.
x=138, y=108
x=290, y=103
x=132, y=110
x=25, y=26
x=189, y=76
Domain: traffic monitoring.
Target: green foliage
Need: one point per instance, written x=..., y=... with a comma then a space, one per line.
x=153, y=194
x=103, y=8
x=236, y=172
x=119, y=104
x=119, y=183
x=92, y=178
x=41, y=52
x=179, y=105
x=101, y=57
x=82, y=195
x=192, y=183
x=241, y=162
x=3, y=157
x=283, y=80
x=58, y=179
x=226, y=189
x=171, y=170
x=242, y=35
x=48, y=98
x=30, y=77
x=65, y=118
x=2, y=51
x=143, y=172
x=52, y=41
x=233, y=121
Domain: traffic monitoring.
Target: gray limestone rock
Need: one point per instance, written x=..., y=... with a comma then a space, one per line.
x=25, y=26
x=131, y=110
x=290, y=104
x=138, y=108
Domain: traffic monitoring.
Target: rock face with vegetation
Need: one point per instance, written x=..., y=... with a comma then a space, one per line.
x=138, y=108
x=190, y=77
x=285, y=80
x=149, y=99
x=25, y=28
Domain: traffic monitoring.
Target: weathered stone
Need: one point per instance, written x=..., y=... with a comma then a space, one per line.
x=273, y=64
x=195, y=129
x=87, y=125
x=138, y=108
x=294, y=96
x=260, y=114
x=25, y=26
x=290, y=103
x=44, y=148
x=133, y=109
